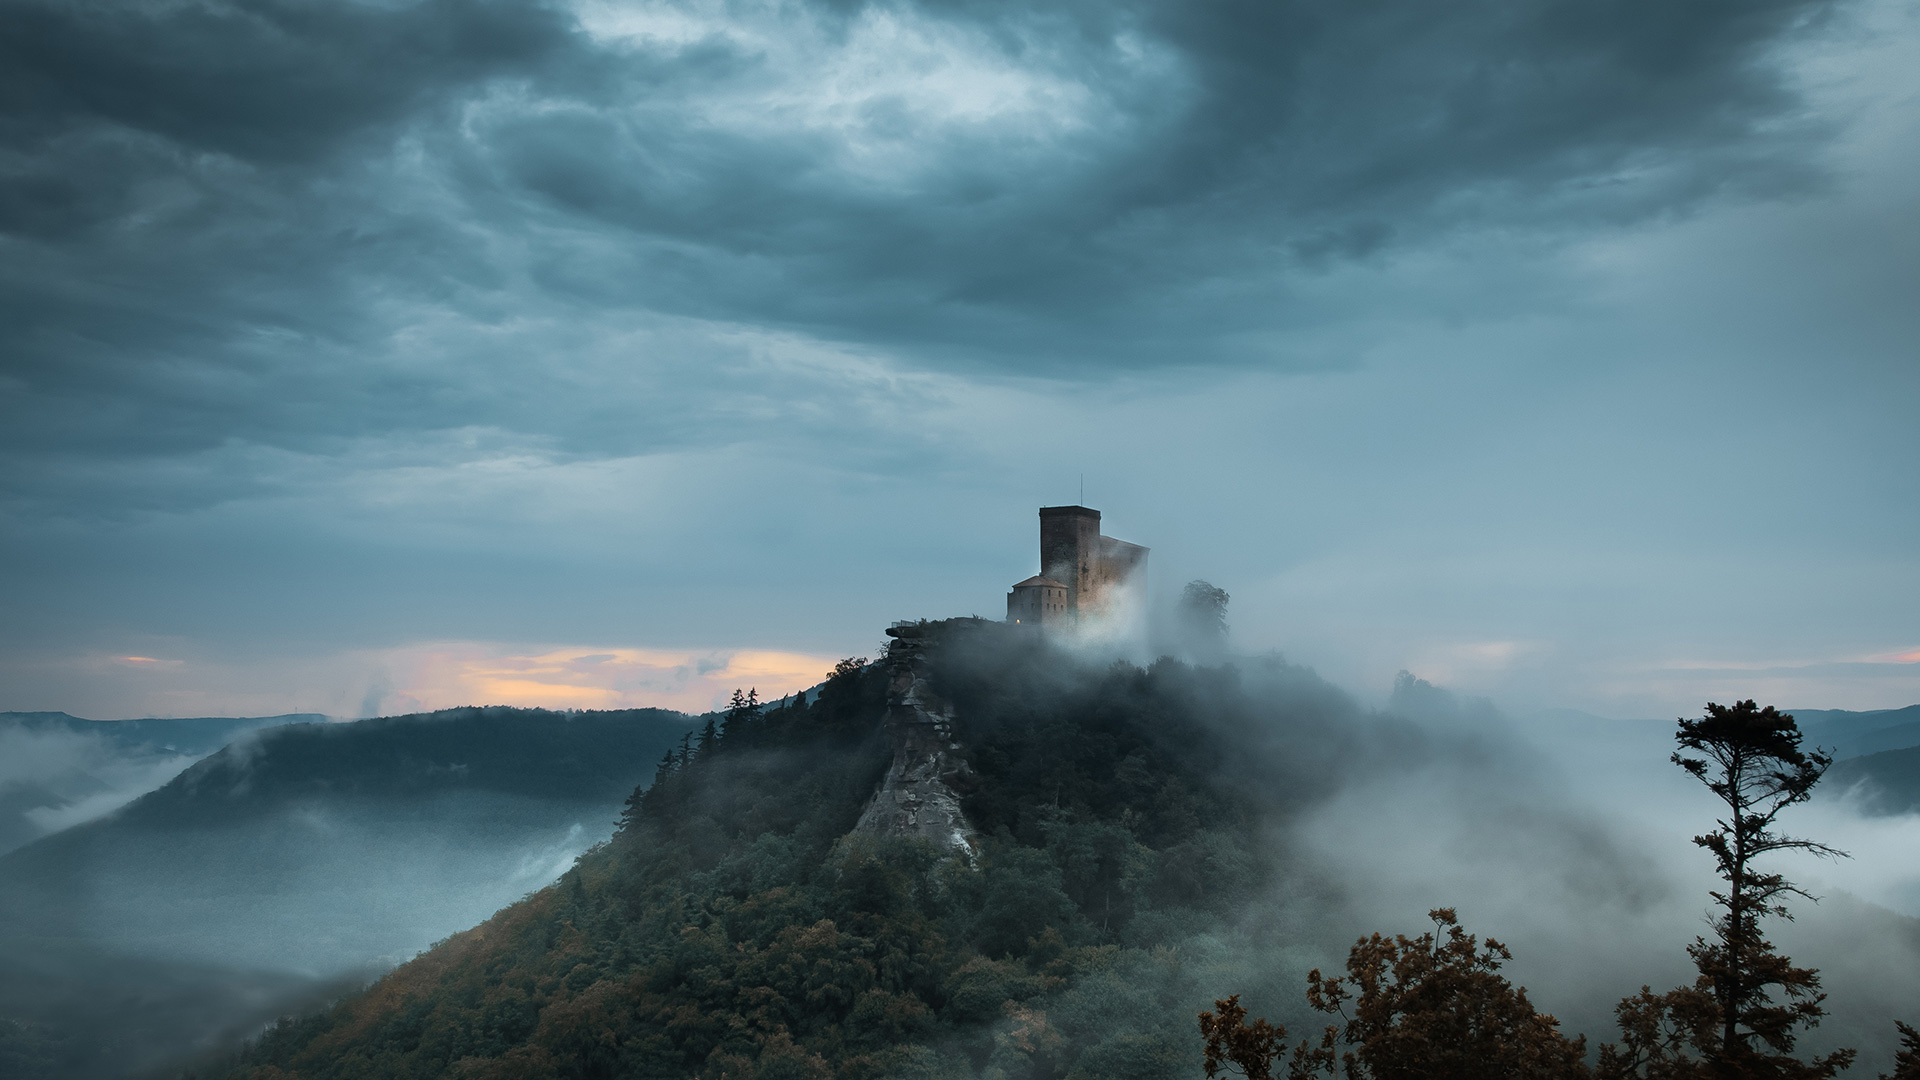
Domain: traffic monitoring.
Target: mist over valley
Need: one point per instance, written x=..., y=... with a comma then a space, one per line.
x=553, y=488
x=304, y=859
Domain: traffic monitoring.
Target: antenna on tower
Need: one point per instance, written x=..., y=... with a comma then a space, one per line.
x=1083, y=489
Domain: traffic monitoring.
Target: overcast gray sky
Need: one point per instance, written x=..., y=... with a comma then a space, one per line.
x=365, y=356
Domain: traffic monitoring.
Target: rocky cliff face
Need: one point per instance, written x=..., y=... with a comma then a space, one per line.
x=917, y=798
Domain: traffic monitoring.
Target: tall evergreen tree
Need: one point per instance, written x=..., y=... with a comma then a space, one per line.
x=1751, y=759
x=743, y=714
x=1906, y=1063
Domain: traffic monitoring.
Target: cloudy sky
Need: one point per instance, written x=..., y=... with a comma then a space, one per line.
x=367, y=355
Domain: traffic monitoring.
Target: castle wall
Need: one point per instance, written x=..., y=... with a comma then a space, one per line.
x=1115, y=565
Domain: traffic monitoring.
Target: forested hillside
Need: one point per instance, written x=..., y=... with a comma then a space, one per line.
x=1853, y=734
x=1879, y=757
x=65, y=770
x=731, y=929
x=1885, y=783
x=279, y=806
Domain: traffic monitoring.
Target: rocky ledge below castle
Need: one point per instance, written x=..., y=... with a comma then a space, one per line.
x=917, y=798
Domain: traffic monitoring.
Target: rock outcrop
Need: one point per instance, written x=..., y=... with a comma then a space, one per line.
x=918, y=797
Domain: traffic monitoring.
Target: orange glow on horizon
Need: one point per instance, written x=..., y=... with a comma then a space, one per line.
x=593, y=677
x=1911, y=656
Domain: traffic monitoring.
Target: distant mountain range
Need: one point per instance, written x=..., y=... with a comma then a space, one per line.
x=1853, y=734
x=1878, y=752
x=301, y=853
x=58, y=770
x=192, y=735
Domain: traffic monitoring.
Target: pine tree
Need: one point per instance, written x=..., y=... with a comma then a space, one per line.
x=1906, y=1063
x=1751, y=759
x=737, y=728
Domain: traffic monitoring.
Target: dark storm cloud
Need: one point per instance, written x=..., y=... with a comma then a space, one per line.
x=1275, y=135
x=269, y=81
x=292, y=225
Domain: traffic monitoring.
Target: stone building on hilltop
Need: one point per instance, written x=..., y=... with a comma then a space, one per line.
x=1081, y=571
x=1038, y=601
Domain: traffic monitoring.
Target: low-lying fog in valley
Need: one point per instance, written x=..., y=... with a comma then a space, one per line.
x=300, y=859
x=520, y=377
x=249, y=886
x=1570, y=840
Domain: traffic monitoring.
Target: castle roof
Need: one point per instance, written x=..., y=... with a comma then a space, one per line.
x=1039, y=582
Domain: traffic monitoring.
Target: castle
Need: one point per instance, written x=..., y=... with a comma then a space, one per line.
x=1080, y=571
x=1081, y=575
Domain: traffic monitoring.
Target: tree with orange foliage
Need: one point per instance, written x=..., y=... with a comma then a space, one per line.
x=1421, y=1009
x=1230, y=1040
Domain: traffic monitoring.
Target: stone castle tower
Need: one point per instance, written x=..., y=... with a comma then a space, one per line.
x=1080, y=570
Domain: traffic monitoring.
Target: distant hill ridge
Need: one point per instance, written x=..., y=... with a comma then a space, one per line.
x=298, y=854
x=194, y=735
x=81, y=769
x=1884, y=784
x=1853, y=734
x=586, y=756
x=1879, y=756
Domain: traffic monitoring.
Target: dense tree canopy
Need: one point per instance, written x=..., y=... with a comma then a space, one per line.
x=1423, y=1008
x=733, y=928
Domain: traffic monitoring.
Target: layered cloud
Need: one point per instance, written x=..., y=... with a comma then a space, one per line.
x=334, y=329
x=238, y=230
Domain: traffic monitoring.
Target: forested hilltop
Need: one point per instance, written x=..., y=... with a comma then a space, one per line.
x=733, y=928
